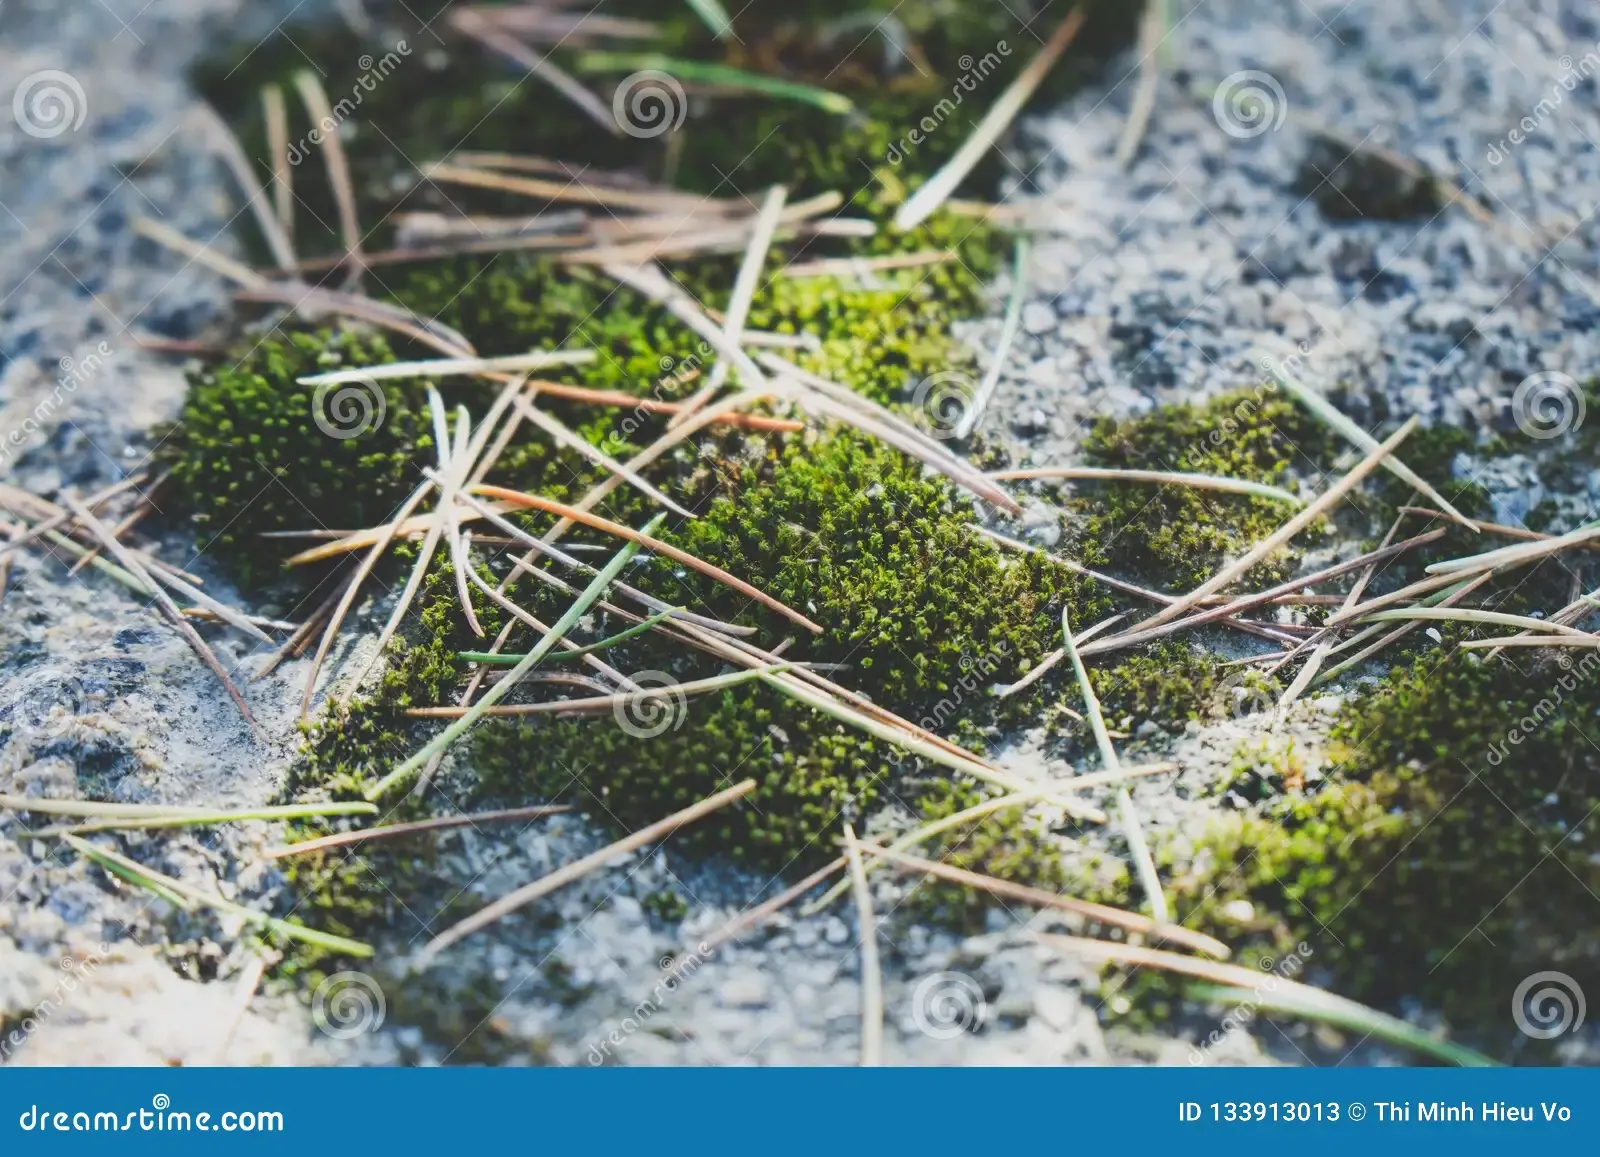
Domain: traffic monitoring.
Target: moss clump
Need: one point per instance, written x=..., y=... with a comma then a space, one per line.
x=1180, y=536
x=885, y=559
x=1447, y=858
x=810, y=773
x=1008, y=845
x=254, y=451
x=1168, y=682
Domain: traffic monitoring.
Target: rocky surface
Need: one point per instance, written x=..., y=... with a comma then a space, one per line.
x=1147, y=286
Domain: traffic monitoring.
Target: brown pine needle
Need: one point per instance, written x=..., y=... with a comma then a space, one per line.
x=418, y=827
x=1315, y=1002
x=295, y=645
x=226, y=144
x=1246, y=602
x=204, y=255
x=451, y=367
x=657, y=406
x=745, y=285
x=1393, y=636
x=1160, y=477
x=1152, y=30
x=652, y=282
x=244, y=992
x=301, y=297
x=472, y=23
x=829, y=399
x=559, y=432
x=315, y=98
x=1275, y=634
x=353, y=588
x=617, y=677
x=715, y=412
x=871, y=968
x=575, y=190
x=1336, y=420
x=1284, y=533
x=768, y=908
x=938, y=188
x=275, y=112
x=616, y=529
x=1132, y=828
x=600, y=702
x=131, y=563
x=578, y=869
x=1039, y=898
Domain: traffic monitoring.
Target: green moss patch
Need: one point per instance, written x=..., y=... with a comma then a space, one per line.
x=1449, y=856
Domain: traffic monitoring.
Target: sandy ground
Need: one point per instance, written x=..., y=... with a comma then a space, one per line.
x=1147, y=286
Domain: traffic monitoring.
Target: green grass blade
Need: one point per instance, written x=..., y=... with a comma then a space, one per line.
x=721, y=75
x=500, y=659
x=580, y=607
x=1317, y=1005
x=186, y=897
x=1138, y=847
x=715, y=17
